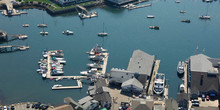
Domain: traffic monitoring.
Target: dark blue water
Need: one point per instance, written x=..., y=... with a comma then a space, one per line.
x=128, y=30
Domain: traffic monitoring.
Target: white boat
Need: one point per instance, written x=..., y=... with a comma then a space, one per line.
x=182, y=87
x=94, y=65
x=68, y=32
x=22, y=48
x=25, y=25
x=42, y=25
x=150, y=16
x=180, y=67
x=22, y=36
x=90, y=72
x=205, y=17
x=98, y=49
x=154, y=27
x=159, y=83
x=62, y=61
x=182, y=11
x=44, y=75
x=177, y=1
x=57, y=85
x=103, y=33
x=44, y=33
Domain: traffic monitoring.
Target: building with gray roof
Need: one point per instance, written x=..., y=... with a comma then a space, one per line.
x=140, y=66
x=203, y=73
x=132, y=85
x=142, y=104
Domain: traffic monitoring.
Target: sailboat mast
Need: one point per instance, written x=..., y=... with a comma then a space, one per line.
x=103, y=28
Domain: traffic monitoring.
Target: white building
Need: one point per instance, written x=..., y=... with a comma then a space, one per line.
x=132, y=85
x=140, y=67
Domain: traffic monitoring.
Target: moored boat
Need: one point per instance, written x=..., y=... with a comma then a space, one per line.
x=42, y=25
x=150, y=16
x=159, y=83
x=180, y=67
x=182, y=11
x=182, y=87
x=68, y=32
x=186, y=21
x=205, y=17
x=154, y=27
x=22, y=36
x=25, y=25
x=44, y=33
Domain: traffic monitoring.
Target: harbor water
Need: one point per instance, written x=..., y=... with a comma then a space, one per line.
x=127, y=30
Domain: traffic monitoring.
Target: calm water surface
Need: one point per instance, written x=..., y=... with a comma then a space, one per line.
x=128, y=30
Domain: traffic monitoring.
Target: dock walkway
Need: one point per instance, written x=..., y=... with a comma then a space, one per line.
x=69, y=87
x=155, y=71
x=105, y=63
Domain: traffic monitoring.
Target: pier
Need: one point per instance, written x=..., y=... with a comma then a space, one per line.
x=12, y=48
x=133, y=6
x=105, y=63
x=69, y=87
x=87, y=14
x=49, y=76
x=153, y=76
x=185, y=78
x=10, y=11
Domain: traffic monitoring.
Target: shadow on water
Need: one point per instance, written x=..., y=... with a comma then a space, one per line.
x=180, y=75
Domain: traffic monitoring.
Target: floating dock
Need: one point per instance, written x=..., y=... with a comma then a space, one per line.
x=104, y=66
x=69, y=87
x=12, y=48
x=132, y=6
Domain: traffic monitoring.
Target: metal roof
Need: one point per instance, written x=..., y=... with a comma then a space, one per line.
x=141, y=62
x=201, y=63
x=132, y=81
x=85, y=99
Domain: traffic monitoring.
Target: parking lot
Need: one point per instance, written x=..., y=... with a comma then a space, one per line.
x=23, y=106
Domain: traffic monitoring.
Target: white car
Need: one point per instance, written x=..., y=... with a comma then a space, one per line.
x=5, y=107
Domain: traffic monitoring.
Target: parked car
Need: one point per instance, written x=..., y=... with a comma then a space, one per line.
x=33, y=106
x=203, y=97
x=28, y=105
x=12, y=107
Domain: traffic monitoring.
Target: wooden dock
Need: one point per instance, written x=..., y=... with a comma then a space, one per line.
x=69, y=87
x=153, y=76
x=12, y=48
x=104, y=66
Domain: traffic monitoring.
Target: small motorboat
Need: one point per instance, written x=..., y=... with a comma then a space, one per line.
x=102, y=34
x=182, y=87
x=22, y=48
x=186, y=21
x=22, y=36
x=182, y=11
x=180, y=67
x=25, y=25
x=150, y=16
x=154, y=27
x=94, y=65
x=68, y=32
x=44, y=76
x=177, y=1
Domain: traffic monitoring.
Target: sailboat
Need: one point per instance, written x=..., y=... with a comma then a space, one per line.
x=103, y=33
x=43, y=32
x=205, y=16
x=42, y=25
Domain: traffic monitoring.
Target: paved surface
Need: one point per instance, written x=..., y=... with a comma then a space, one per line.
x=23, y=106
x=117, y=98
x=185, y=78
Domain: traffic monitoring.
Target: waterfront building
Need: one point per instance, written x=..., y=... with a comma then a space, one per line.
x=140, y=67
x=89, y=103
x=204, y=74
x=100, y=93
x=132, y=85
x=142, y=104
x=64, y=107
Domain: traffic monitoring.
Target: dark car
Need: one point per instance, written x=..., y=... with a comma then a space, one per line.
x=28, y=105
x=33, y=106
x=203, y=97
x=12, y=107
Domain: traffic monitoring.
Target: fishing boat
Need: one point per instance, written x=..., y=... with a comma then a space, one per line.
x=180, y=67
x=159, y=83
x=103, y=33
x=186, y=21
x=22, y=36
x=150, y=16
x=154, y=27
x=25, y=25
x=68, y=32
